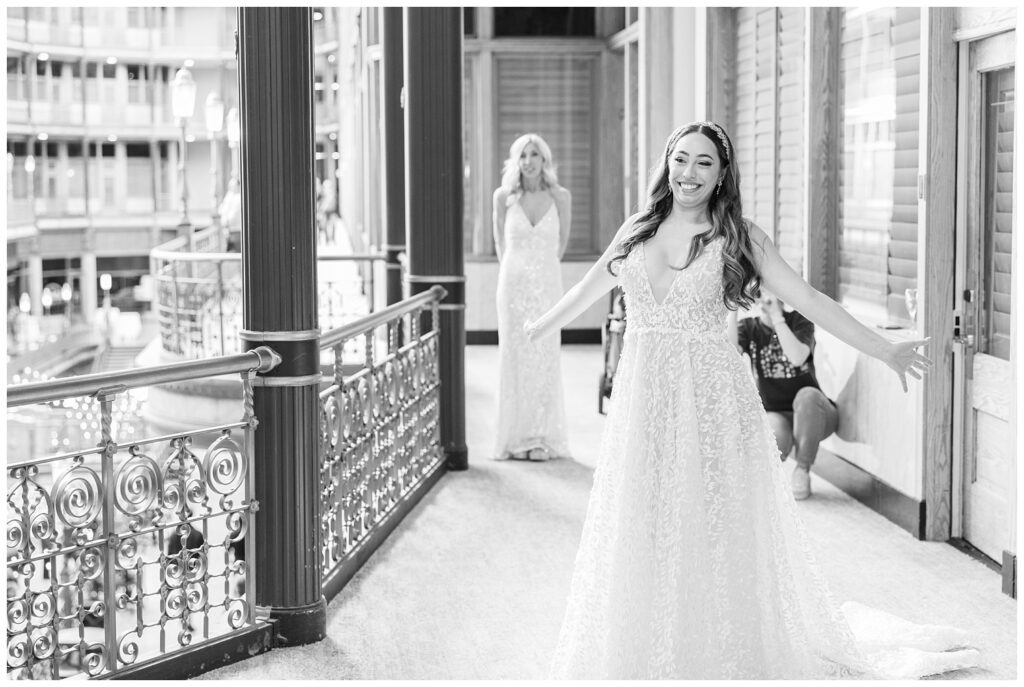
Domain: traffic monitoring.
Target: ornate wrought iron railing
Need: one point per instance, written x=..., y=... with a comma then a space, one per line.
x=380, y=436
x=133, y=550
x=198, y=299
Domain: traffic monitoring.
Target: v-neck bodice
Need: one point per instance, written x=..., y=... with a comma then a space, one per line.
x=540, y=219
x=693, y=301
x=540, y=238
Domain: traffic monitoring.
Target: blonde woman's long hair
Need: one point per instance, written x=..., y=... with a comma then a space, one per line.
x=512, y=179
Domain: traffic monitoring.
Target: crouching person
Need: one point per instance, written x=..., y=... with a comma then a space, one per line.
x=781, y=349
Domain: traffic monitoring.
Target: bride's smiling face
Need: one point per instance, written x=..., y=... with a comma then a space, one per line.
x=693, y=170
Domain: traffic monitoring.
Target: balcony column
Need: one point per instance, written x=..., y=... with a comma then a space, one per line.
x=433, y=182
x=30, y=83
x=158, y=189
x=62, y=176
x=88, y=291
x=35, y=277
x=394, y=150
x=121, y=176
x=279, y=277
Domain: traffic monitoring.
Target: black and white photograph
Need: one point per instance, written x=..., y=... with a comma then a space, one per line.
x=484, y=343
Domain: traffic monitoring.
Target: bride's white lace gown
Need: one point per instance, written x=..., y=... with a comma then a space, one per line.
x=693, y=561
x=531, y=410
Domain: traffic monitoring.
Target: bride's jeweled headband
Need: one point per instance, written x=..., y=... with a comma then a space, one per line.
x=710, y=125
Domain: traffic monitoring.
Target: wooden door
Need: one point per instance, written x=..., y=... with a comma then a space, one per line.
x=984, y=462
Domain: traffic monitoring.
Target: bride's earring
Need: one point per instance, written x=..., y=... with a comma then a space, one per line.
x=719, y=189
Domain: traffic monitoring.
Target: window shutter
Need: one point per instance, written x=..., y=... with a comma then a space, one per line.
x=789, y=204
x=754, y=137
x=1000, y=105
x=553, y=96
x=139, y=177
x=880, y=81
x=769, y=130
x=902, y=262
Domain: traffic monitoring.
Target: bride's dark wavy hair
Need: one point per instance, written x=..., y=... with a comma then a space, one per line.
x=740, y=279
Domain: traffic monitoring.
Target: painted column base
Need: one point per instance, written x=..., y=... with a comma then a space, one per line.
x=456, y=457
x=301, y=625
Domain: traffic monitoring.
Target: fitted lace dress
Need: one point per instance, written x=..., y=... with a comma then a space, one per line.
x=531, y=410
x=693, y=562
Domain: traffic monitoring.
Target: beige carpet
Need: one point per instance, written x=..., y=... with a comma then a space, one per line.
x=473, y=584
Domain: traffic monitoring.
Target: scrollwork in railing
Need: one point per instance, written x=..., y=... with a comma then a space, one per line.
x=379, y=423
x=121, y=553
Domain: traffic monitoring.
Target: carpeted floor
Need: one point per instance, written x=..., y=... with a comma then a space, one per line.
x=472, y=585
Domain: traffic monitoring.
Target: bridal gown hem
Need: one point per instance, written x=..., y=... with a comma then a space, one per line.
x=531, y=409
x=693, y=561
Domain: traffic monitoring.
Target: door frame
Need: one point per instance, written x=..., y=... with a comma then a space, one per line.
x=968, y=209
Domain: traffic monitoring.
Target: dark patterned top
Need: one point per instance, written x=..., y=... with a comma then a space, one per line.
x=778, y=380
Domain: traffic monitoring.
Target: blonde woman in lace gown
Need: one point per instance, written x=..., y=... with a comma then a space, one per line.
x=531, y=230
x=693, y=562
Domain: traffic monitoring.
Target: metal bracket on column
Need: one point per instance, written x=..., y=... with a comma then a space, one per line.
x=453, y=284
x=300, y=356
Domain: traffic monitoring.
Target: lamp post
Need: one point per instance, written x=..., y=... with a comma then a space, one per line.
x=231, y=219
x=47, y=300
x=183, y=102
x=105, y=284
x=10, y=178
x=214, y=125
x=234, y=136
x=65, y=295
x=25, y=306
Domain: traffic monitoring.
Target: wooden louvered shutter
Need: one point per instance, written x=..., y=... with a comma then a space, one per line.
x=769, y=130
x=789, y=155
x=902, y=261
x=880, y=91
x=553, y=96
x=999, y=109
x=754, y=137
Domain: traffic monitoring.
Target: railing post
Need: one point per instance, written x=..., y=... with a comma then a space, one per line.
x=279, y=289
x=176, y=325
x=220, y=304
x=433, y=135
x=106, y=402
x=394, y=152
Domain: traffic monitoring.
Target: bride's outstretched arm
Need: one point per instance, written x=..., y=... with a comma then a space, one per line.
x=595, y=283
x=781, y=280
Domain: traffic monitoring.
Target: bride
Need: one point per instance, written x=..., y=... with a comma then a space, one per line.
x=531, y=231
x=693, y=562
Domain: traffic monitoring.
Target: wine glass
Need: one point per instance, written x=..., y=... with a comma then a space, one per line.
x=910, y=299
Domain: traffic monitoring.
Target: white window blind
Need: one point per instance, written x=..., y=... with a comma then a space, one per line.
x=999, y=107
x=789, y=144
x=553, y=96
x=139, y=177
x=879, y=93
x=769, y=130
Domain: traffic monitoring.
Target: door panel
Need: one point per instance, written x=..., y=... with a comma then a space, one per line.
x=985, y=467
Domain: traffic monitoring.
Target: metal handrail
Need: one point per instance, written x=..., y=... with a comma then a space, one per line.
x=376, y=319
x=262, y=359
x=165, y=254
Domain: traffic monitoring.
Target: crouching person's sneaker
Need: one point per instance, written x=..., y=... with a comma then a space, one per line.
x=801, y=482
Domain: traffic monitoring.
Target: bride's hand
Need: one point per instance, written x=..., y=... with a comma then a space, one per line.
x=904, y=359
x=530, y=328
